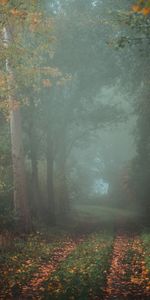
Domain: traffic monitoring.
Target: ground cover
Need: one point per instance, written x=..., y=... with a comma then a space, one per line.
x=129, y=276
x=92, y=266
x=21, y=264
x=105, y=214
x=83, y=274
x=146, y=246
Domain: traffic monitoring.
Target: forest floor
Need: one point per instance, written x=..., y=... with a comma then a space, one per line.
x=92, y=265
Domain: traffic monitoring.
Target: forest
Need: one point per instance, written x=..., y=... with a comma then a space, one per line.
x=74, y=149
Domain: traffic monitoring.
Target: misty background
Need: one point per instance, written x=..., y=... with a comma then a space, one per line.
x=81, y=78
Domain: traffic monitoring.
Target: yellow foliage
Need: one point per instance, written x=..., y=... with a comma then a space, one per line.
x=4, y=104
x=47, y=83
x=2, y=81
x=136, y=8
x=34, y=21
x=3, y=2
x=14, y=105
x=18, y=13
x=145, y=11
x=142, y=7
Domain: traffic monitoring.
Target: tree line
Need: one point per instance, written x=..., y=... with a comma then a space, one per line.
x=55, y=58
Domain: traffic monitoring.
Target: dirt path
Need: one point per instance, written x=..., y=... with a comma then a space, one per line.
x=128, y=277
x=30, y=291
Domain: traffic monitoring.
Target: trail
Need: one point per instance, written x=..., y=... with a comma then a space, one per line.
x=128, y=277
x=30, y=291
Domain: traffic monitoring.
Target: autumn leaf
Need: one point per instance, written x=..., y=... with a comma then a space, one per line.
x=142, y=7
x=14, y=105
x=145, y=11
x=46, y=83
x=2, y=81
x=3, y=2
x=34, y=21
x=136, y=8
x=18, y=13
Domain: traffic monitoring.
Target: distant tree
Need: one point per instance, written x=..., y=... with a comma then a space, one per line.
x=137, y=39
x=20, y=188
x=19, y=24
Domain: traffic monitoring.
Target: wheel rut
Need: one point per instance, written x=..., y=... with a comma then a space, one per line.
x=128, y=276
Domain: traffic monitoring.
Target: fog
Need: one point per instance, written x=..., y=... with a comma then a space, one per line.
x=74, y=149
x=78, y=131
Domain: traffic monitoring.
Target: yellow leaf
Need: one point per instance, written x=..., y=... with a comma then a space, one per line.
x=145, y=11
x=18, y=13
x=3, y=2
x=46, y=83
x=136, y=8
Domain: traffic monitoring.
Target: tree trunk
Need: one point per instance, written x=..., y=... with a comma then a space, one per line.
x=50, y=183
x=35, y=189
x=19, y=175
x=61, y=192
x=34, y=179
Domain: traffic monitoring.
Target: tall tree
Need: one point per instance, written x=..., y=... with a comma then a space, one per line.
x=19, y=173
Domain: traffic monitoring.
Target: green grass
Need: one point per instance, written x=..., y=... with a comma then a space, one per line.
x=20, y=261
x=82, y=275
x=104, y=213
x=146, y=245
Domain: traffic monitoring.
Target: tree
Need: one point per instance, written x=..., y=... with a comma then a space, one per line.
x=19, y=174
x=19, y=24
x=137, y=39
x=61, y=66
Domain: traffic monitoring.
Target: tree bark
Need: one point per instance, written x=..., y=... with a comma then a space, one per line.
x=35, y=189
x=50, y=179
x=61, y=192
x=19, y=174
x=34, y=176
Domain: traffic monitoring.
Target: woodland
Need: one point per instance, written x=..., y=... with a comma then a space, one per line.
x=74, y=149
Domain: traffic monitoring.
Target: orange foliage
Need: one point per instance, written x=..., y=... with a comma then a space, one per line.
x=145, y=11
x=142, y=7
x=3, y=2
x=136, y=8
x=18, y=13
x=35, y=20
x=2, y=81
x=45, y=270
x=46, y=83
x=14, y=105
x=128, y=273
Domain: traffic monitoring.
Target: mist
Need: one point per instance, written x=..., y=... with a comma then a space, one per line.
x=74, y=149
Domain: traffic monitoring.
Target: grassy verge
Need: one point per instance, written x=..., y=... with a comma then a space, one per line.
x=105, y=214
x=146, y=245
x=23, y=259
x=83, y=274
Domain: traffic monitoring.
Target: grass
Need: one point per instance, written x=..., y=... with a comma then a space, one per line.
x=83, y=274
x=105, y=214
x=20, y=261
x=146, y=245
